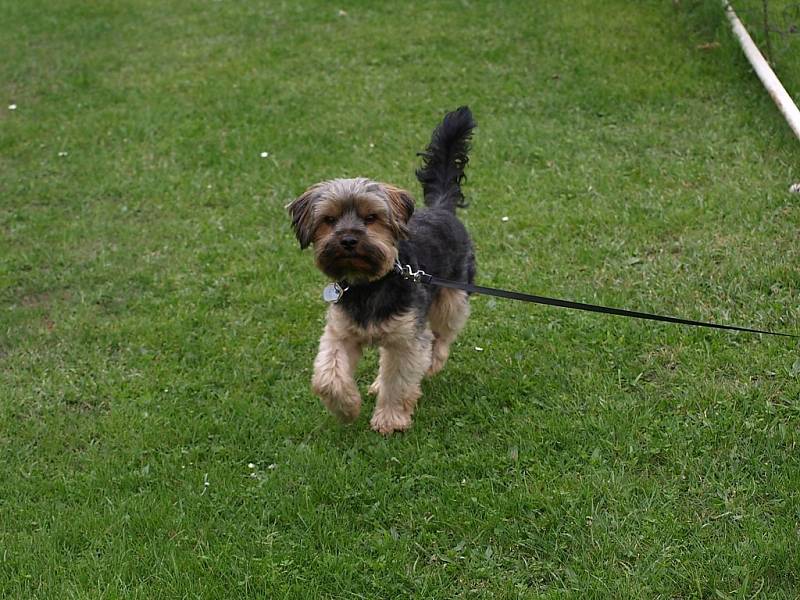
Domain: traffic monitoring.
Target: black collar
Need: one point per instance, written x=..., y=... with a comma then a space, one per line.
x=333, y=292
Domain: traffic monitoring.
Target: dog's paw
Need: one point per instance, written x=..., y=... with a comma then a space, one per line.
x=436, y=366
x=345, y=409
x=387, y=421
x=439, y=355
x=375, y=388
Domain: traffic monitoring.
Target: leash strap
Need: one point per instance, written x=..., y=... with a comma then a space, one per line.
x=422, y=277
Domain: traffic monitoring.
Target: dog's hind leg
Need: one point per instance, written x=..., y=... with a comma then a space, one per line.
x=448, y=315
x=375, y=386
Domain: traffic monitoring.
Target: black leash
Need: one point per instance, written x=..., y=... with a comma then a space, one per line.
x=406, y=272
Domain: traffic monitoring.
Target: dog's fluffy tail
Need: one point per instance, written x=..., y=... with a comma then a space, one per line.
x=444, y=160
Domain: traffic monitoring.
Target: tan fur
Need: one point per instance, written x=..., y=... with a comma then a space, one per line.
x=405, y=356
x=402, y=207
x=404, y=359
x=447, y=317
x=334, y=367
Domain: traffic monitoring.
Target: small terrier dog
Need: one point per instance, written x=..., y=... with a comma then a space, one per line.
x=360, y=229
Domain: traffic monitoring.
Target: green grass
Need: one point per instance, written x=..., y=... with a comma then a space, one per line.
x=158, y=323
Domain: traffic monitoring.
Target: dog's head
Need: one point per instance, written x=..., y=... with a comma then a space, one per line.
x=354, y=226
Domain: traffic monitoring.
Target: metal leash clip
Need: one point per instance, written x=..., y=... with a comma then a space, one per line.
x=406, y=272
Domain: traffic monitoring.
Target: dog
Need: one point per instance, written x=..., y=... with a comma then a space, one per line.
x=361, y=231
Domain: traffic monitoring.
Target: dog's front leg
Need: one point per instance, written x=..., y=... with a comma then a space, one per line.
x=403, y=364
x=334, y=367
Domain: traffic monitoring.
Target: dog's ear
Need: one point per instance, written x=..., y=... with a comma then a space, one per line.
x=402, y=206
x=302, y=215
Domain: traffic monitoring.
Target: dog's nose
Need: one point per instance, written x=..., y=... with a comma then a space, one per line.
x=348, y=242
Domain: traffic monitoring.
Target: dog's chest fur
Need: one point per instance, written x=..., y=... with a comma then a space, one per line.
x=396, y=329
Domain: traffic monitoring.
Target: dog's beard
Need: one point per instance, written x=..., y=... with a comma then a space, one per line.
x=369, y=262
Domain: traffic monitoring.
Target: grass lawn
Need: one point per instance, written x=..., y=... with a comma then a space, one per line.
x=158, y=437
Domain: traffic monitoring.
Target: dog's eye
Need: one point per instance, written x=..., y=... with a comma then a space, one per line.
x=329, y=220
x=370, y=219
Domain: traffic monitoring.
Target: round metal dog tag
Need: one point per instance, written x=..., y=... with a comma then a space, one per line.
x=332, y=292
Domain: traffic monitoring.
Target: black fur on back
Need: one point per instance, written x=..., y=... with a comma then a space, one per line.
x=438, y=243
x=444, y=161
